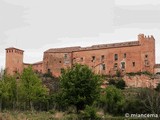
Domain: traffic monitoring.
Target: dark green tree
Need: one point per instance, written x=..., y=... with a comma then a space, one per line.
x=79, y=86
x=158, y=88
x=121, y=84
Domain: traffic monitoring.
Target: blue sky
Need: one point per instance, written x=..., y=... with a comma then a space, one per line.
x=37, y=25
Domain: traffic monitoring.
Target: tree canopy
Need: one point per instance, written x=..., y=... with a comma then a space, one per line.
x=80, y=86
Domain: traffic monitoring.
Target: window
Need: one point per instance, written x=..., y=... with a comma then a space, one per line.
x=103, y=67
x=60, y=61
x=123, y=65
x=146, y=63
x=65, y=56
x=93, y=58
x=102, y=57
x=49, y=70
x=81, y=59
x=116, y=57
x=133, y=64
x=146, y=56
x=124, y=55
x=115, y=65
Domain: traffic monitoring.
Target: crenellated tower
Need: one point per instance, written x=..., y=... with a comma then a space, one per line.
x=147, y=52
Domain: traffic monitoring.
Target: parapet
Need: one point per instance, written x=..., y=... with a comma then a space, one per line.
x=144, y=37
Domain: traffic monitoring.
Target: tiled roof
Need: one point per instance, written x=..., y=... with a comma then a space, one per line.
x=94, y=47
x=114, y=45
x=66, y=49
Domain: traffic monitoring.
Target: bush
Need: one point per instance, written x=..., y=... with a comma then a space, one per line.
x=139, y=73
x=89, y=113
x=121, y=84
x=158, y=88
x=118, y=83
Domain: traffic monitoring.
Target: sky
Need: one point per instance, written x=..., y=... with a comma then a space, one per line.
x=37, y=25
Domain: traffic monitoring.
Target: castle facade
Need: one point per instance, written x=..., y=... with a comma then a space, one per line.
x=134, y=56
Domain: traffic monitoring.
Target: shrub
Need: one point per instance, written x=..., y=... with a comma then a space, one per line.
x=89, y=113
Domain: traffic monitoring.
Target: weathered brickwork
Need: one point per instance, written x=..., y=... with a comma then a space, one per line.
x=14, y=60
x=135, y=56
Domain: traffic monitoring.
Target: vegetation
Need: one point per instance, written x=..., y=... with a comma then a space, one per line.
x=119, y=83
x=140, y=73
x=79, y=87
x=75, y=95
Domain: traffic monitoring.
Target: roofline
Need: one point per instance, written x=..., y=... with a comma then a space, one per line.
x=103, y=48
x=96, y=47
x=14, y=48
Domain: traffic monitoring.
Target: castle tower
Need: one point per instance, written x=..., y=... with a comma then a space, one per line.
x=14, y=60
x=147, y=52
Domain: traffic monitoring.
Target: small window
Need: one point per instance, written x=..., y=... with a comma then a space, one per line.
x=49, y=70
x=123, y=65
x=102, y=57
x=81, y=59
x=60, y=61
x=146, y=63
x=124, y=55
x=115, y=65
x=65, y=56
x=116, y=57
x=93, y=58
x=103, y=67
x=133, y=64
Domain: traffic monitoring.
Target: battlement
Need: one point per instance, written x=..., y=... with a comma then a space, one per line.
x=144, y=37
x=14, y=50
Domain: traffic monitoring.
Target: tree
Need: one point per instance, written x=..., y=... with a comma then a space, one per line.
x=8, y=92
x=151, y=100
x=119, y=83
x=31, y=88
x=79, y=86
x=113, y=100
x=158, y=88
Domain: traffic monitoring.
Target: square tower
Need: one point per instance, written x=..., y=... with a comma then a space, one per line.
x=14, y=60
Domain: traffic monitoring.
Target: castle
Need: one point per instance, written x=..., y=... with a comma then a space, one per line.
x=134, y=56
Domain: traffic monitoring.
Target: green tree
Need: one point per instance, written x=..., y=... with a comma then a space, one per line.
x=79, y=86
x=150, y=99
x=8, y=92
x=121, y=84
x=158, y=88
x=31, y=88
x=113, y=100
